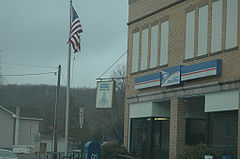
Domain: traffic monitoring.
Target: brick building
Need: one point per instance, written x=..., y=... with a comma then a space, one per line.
x=183, y=77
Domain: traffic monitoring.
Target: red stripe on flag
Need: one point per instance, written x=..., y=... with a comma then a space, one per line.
x=73, y=45
x=75, y=22
x=76, y=41
x=75, y=27
x=76, y=32
x=79, y=46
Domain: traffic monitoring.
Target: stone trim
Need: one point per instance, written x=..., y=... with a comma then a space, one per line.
x=155, y=22
x=188, y=91
x=155, y=12
x=131, y=1
x=135, y=30
x=231, y=49
x=163, y=66
x=202, y=3
x=202, y=56
x=146, y=26
x=189, y=60
x=215, y=53
x=165, y=18
x=190, y=8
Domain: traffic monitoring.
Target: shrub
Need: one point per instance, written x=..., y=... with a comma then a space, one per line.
x=110, y=150
x=196, y=152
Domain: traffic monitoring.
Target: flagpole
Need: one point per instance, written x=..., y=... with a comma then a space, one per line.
x=68, y=84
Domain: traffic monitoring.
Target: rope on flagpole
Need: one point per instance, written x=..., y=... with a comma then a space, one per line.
x=73, y=67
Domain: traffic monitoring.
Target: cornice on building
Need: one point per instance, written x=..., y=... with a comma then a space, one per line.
x=186, y=91
x=154, y=12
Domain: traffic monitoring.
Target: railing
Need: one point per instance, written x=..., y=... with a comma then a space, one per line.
x=50, y=155
x=121, y=156
x=74, y=156
x=59, y=155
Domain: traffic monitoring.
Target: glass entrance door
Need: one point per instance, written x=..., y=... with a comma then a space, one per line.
x=150, y=138
x=161, y=138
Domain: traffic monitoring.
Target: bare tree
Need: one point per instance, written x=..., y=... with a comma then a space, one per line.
x=115, y=117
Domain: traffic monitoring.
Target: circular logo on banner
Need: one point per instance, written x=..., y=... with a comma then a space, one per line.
x=103, y=101
x=94, y=156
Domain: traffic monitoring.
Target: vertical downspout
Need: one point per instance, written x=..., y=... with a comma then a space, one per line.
x=17, y=125
x=151, y=137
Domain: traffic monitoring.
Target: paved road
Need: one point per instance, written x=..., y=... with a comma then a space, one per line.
x=42, y=156
x=27, y=156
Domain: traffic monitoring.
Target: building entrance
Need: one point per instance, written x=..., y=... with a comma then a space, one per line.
x=150, y=138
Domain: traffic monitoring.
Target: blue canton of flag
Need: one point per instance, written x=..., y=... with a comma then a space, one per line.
x=76, y=29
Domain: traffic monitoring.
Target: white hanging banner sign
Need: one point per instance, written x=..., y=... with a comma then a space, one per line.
x=105, y=90
x=81, y=117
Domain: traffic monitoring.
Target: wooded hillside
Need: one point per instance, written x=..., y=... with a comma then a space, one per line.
x=38, y=101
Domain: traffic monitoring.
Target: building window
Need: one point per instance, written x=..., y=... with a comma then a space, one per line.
x=135, y=52
x=154, y=46
x=232, y=20
x=222, y=127
x=226, y=129
x=202, y=30
x=190, y=29
x=144, y=57
x=216, y=42
x=164, y=44
x=195, y=131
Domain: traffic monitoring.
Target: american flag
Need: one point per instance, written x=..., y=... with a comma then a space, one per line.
x=76, y=29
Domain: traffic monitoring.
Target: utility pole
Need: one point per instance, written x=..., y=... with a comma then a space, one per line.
x=55, y=113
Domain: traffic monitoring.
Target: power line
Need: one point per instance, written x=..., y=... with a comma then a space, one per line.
x=113, y=64
x=111, y=78
x=29, y=74
x=27, y=65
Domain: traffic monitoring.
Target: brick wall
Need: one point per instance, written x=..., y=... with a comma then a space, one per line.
x=176, y=50
x=140, y=8
x=177, y=27
x=177, y=127
x=238, y=145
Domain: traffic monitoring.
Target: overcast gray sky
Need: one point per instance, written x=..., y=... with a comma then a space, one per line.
x=35, y=32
